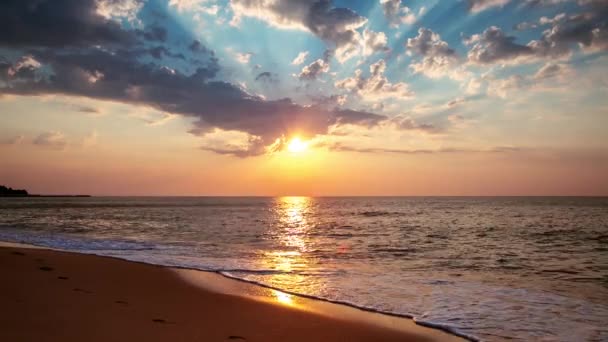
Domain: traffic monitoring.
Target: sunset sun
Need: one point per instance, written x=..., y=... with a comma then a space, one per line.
x=296, y=145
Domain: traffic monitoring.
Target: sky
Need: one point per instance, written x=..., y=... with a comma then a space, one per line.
x=387, y=97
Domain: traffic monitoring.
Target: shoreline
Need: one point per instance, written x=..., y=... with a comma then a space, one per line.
x=287, y=316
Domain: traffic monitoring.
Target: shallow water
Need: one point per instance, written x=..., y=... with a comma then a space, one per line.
x=494, y=268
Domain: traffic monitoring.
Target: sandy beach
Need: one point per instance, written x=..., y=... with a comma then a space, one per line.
x=60, y=296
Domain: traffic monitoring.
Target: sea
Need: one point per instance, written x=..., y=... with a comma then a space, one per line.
x=486, y=268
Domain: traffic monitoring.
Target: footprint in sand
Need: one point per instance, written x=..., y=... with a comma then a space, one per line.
x=162, y=321
x=122, y=302
x=63, y=278
x=18, y=253
x=236, y=338
x=45, y=268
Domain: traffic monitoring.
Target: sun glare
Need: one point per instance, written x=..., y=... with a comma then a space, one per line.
x=283, y=297
x=296, y=145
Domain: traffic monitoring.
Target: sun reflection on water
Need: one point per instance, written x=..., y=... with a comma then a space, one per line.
x=293, y=225
x=291, y=228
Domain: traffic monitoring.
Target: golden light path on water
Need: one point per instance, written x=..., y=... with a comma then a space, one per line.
x=291, y=229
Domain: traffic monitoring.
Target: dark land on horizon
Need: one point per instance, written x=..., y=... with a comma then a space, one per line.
x=10, y=192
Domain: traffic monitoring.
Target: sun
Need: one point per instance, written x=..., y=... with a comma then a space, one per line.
x=296, y=145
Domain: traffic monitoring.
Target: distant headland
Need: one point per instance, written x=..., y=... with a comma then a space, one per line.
x=10, y=192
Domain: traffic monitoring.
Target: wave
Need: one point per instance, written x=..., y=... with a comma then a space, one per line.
x=97, y=247
x=60, y=242
x=429, y=324
x=375, y=213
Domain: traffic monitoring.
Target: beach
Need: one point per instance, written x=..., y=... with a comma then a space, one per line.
x=50, y=295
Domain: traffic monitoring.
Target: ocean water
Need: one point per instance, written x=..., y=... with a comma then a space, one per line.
x=493, y=269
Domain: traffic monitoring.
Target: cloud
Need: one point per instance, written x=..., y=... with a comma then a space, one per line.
x=346, y=148
x=314, y=70
x=163, y=120
x=24, y=66
x=550, y=70
x=267, y=77
x=550, y=75
x=335, y=25
x=87, y=55
x=544, y=2
x=15, y=140
x=476, y=6
x=304, y=121
x=54, y=140
x=243, y=57
x=438, y=59
x=494, y=46
x=213, y=104
x=58, y=23
x=119, y=9
x=155, y=33
x=233, y=143
x=525, y=26
x=194, y=6
x=587, y=30
x=376, y=86
x=558, y=17
x=397, y=14
x=330, y=101
x=86, y=109
x=404, y=122
x=473, y=86
x=300, y=58
x=373, y=42
x=502, y=87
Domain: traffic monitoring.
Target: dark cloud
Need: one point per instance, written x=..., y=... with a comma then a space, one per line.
x=196, y=46
x=86, y=109
x=105, y=66
x=116, y=77
x=588, y=30
x=159, y=52
x=438, y=59
x=267, y=77
x=329, y=101
x=493, y=45
x=335, y=25
x=57, y=23
x=155, y=33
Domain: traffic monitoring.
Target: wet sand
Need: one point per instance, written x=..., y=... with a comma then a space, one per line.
x=61, y=296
